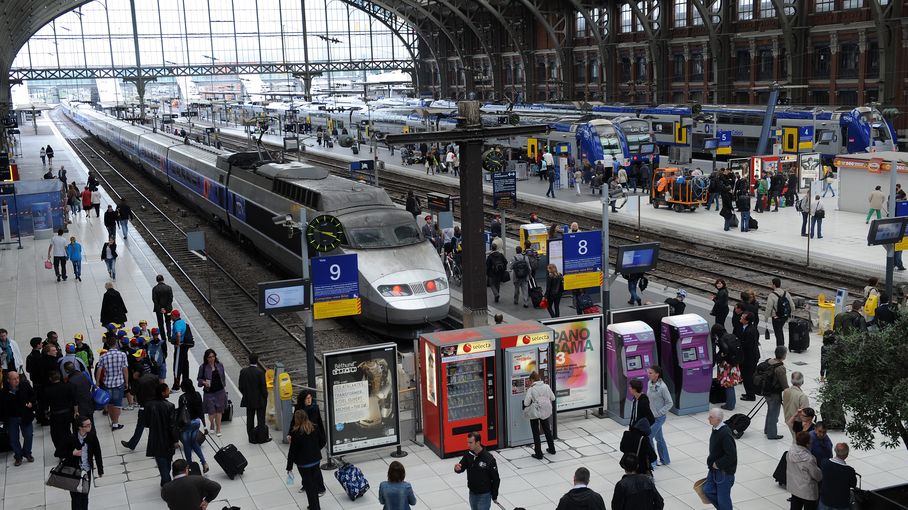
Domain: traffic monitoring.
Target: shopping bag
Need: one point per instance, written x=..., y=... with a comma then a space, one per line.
x=544, y=303
x=48, y=264
x=698, y=488
x=69, y=479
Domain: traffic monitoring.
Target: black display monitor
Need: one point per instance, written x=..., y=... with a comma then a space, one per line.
x=886, y=231
x=637, y=258
x=711, y=144
x=647, y=148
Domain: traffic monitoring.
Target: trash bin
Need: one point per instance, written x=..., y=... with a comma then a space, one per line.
x=825, y=315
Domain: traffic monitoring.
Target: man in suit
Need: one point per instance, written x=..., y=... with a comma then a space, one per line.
x=82, y=388
x=187, y=492
x=255, y=395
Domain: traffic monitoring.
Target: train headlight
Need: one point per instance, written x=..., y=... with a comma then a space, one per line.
x=395, y=290
x=435, y=285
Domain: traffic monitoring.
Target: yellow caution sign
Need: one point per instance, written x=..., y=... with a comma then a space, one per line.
x=337, y=308
x=680, y=134
x=583, y=280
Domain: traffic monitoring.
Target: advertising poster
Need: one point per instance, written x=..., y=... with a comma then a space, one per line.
x=361, y=394
x=431, y=383
x=578, y=362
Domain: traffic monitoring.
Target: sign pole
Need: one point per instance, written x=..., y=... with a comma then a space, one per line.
x=307, y=314
x=890, y=248
x=606, y=295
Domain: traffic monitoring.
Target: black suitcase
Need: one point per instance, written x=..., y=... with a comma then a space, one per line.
x=195, y=469
x=227, y=415
x=536, y=296
x=260, y=434
x=753, y=224
x=833, y=416
x=330, y=144
x=738, y=423
x=798, y=334
x=781, y=473
x=716, y=393
x=229, y=458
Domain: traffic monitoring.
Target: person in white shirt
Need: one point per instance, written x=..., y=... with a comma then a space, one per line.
x=537, y=406
x=817, y=213
x=57, y=248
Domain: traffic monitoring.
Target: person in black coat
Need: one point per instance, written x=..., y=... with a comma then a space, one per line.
x=255, y=395
x=113, y=309
x=82, y=386
x=413, y=206
x=727, y=210
x=750, y=355
x=636, y=442
x=635, y=491
x=109, y=256
x=160, y=419
x=110, y=221
x=306, y=452
x=60, y=399
x=581, y=497
x=720, y=302
x=76, y=443
x=886, y=314
x=17, y=402
x=34, y=365
x=305, y=401
x=640, y=408
x=554, y=289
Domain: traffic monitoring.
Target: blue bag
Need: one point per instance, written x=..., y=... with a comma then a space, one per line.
x=352, y=480
x=101, y=397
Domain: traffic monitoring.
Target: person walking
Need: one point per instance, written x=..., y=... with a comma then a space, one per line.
x=722, y=462
x=305, y=402
x=413, y=206
x=306, y=453
x=496, y=271
x=83, y=451
x=750, y=355
x=660, y=401
x=794, y=399
x=828, y=179
x=112, y=373
x=60, y=398
x=162, y=301
x=578, y=179
x=18, y=405
x=110, y=222
x=803, y=476
x=550, y=177
x=839, y=478
x=554, y=289
x=213, y=380
x=57, y=249
x=520, y=266
x=50, y=155
x=186, y=492
x=96, y=202
x=43, y=154
x=634, y=491
x=143, y=386
x=182, y=341
x=538, y=408
x=189, y=406
x=581, y=497
x=85, y=196
x=773, y=380
x=779, y=306
x=633, y=281
x=109, y=256
x=395, y=493
x=720, y=302
x=817, y=213
x=776, y=189
x=254, y=393
x=160, y=415
x=124, y=215
x=743, y=204
x=876, y=200
x=483, y=480
x=113, y=309
x=74, y=254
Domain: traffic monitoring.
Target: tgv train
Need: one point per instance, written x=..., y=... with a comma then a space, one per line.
x=402, y=282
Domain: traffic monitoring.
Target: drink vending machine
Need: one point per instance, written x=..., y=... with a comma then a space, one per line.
x=630, y=348
x=524, y=348
x=687, y=358
x=459, y=388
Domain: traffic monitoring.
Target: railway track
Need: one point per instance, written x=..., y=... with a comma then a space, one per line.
x=224, y=300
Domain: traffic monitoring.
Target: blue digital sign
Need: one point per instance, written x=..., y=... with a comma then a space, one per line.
x=582, y=252
x=805, y=134
x=724, y=138
x=335, y=277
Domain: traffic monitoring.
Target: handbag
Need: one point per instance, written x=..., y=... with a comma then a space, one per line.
x=698, y=488
x=69, y=479
x=820, y=214
x=48, y=264
x=729, y=375
x=183, y=417
x=101, y=397
x=544, y=303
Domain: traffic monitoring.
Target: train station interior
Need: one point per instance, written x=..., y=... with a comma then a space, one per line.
x=327, y=184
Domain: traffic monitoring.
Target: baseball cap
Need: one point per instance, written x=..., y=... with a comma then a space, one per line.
x=682, y=293
x=70, y=348
x=154, y=331
x=121, y=333
x=111, y=326
x=136, y=330
x=175, y=313
x=143, y=321
x=78, y=336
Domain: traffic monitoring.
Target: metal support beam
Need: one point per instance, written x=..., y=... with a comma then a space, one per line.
x=515, y=43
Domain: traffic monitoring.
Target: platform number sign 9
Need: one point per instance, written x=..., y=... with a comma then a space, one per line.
x=335, y=271
x=335, y=286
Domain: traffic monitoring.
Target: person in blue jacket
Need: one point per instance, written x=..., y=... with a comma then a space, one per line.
x=74, y=253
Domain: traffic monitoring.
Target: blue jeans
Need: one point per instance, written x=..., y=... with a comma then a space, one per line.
x=111, y=267
x=713, y=197
x=632, y=183
x=730, y=398
x=898, y=260
x=818, y=223
x=163, y=464
x=745, y=221
x=656, y=436
x=124, y=226
x=728, y=221
x=632, y=288
x=718, y=488
x=551, y=189
x=140, y=428
x=187, y=437
x=773, y=406
x=481, y=501
x=827, y=188
x=16, y=427
x=77, y=268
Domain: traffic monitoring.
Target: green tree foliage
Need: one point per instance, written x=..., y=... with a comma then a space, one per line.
x=868, y=377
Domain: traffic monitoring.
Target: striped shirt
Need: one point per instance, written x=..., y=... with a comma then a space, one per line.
x=113, y=362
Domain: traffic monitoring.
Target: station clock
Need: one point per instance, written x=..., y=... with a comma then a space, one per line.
x=324, y=233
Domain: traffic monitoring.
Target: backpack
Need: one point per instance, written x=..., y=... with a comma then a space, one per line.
x=803, y=204
x=521, y=268
x=731, y=346
x=765, y=380
x=870, y=304
x=643, y=283
x=499, y=265
x=783, y=306
x=533, y=258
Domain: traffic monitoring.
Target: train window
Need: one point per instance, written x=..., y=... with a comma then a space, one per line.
x=387, y=229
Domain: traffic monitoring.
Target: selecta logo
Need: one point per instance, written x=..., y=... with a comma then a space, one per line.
x=474, y=347
x=467, y=348
x=526, y=339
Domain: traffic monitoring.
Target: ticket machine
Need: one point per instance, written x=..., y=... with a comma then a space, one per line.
x=630, y=349
x=687, y=360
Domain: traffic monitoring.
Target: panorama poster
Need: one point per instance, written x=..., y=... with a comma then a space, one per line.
x=578, y=362
x=361, y=395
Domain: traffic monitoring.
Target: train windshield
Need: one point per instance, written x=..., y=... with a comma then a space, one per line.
x=384, y=229
x=879, y=129
x=608, y=136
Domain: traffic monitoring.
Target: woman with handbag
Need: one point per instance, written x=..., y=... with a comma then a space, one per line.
x=213, y=379
x=306, y=452
x=537, y=407
x=190, y=418
x=554, y=288
x=817, y=213
x=84, y=455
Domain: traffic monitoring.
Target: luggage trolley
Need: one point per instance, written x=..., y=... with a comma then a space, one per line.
x=677, y=191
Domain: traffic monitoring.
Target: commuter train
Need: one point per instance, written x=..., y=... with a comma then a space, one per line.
x=402, y=283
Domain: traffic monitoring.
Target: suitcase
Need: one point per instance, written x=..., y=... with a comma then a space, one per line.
x=738, y=423
x=229, y=458
x=798, y=334
x=716, y=393
x=584, y=301
x=536, y=296
x=781, y=473
x=753, y=224
x=833, y=416
x=260, y=434
x=227, y=415
x=195, y=469
x=352, y=480
x=330, y=144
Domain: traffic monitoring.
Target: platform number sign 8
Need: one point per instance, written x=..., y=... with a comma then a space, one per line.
x=335, y=271
x=582, y=248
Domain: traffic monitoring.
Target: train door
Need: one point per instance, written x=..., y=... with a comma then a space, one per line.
x=790, y=139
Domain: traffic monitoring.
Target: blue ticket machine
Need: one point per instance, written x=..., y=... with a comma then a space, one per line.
x=687, y=360
x=630, y=349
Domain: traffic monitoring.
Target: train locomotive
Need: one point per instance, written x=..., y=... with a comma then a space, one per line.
x=403, y=285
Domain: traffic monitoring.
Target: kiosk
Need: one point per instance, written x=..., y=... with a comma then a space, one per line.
x=630, y=349
x=537, y=234
x=523, y=347
x=687, y=361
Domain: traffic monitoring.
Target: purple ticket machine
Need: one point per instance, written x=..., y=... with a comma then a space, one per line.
x=687, y=360
x=630, y=349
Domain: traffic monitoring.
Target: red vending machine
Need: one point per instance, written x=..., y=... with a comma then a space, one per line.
x=459, y=386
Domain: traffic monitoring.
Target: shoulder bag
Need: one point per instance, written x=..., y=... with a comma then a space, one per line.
x=69, y=478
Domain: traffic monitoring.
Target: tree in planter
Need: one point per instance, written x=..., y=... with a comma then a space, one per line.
x=868, y=378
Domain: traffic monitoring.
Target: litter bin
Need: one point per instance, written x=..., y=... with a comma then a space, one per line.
x=825, y=314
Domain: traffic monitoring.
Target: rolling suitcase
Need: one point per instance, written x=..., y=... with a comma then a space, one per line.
x=229, y=458
x=798, y=334
x=738, y=423
x=352, y=480
x=536, y=296
x=716, y=393
x=227, y=415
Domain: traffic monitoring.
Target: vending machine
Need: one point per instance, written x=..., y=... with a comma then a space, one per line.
x=458, y=389
x=630, y=348
x=687, y=358
x=524, y=348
